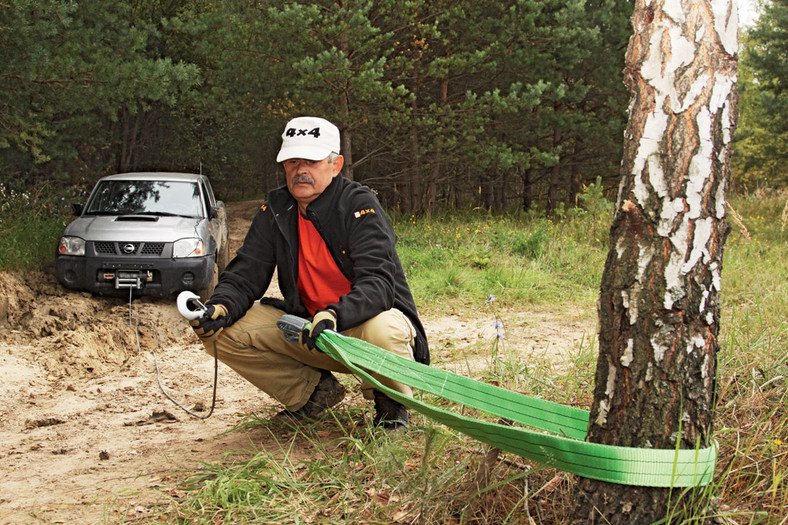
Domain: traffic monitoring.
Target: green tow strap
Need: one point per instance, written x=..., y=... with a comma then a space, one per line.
x=564, y=448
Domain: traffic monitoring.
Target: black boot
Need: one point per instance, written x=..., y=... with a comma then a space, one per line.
x=327, y=393
x=392, y=415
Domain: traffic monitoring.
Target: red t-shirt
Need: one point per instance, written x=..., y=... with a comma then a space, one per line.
x=320, y=281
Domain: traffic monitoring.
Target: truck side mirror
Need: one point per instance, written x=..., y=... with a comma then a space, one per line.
x=217, y=212
x=77, y=208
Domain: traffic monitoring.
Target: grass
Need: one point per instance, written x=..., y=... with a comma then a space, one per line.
x=354, y=475
x=751, y=425
x=340, y=470
x=466, y=257
x=751, y=422
x=31, y=224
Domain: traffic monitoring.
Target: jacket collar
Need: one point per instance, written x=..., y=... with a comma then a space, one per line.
x=327, y=199
x=282, y=201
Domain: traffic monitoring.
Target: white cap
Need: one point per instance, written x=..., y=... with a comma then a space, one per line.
x=310, y=138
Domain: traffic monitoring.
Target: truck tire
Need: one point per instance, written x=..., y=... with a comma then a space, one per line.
x=223, y=257
x=207, y=292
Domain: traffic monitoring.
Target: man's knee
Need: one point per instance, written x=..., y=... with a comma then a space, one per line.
x=390, y=330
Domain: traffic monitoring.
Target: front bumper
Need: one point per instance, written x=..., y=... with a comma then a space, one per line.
x=148, y=276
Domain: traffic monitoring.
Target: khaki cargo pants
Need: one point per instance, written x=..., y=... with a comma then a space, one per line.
x=256, y=349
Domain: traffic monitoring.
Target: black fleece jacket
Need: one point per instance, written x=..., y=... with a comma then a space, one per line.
x=361, y=240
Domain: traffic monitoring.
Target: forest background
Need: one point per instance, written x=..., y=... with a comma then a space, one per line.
x=442, y=105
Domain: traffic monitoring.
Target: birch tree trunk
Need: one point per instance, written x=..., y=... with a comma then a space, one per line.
x=659, y=297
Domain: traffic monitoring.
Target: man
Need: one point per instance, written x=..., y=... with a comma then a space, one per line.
x=333, y=247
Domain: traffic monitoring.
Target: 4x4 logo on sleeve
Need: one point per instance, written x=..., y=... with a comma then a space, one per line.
x=359, y=213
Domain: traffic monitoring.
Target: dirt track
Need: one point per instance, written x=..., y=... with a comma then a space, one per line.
x=86, y=436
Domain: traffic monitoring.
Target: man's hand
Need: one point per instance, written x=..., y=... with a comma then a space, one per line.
x=323, y=320
x=212, y=322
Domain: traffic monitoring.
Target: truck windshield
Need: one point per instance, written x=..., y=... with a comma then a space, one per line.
x=145, y=197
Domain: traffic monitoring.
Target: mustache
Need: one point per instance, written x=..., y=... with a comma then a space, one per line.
x=303, y=178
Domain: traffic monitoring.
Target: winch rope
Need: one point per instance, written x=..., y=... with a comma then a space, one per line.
x=559, y=438
x=158, y=372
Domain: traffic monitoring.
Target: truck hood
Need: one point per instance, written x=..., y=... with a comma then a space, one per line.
x=133, y=228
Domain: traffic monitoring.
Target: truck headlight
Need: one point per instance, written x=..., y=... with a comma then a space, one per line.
x=191, y=247
x=71, y=246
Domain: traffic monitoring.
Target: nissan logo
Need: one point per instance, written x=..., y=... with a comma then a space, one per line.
x=129, y=248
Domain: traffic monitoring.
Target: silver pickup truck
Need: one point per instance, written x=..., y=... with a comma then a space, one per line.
x=156, y=233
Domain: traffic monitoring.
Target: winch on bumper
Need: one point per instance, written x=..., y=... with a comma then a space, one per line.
x=160, y=277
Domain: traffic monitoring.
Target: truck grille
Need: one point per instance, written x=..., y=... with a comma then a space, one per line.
x=129, y=248
x=152, y=248
x=105, y=248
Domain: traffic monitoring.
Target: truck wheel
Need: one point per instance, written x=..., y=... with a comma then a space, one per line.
x=207, y=292
x=223, y=257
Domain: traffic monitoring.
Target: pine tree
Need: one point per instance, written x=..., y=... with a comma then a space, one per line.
x=762, y=137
